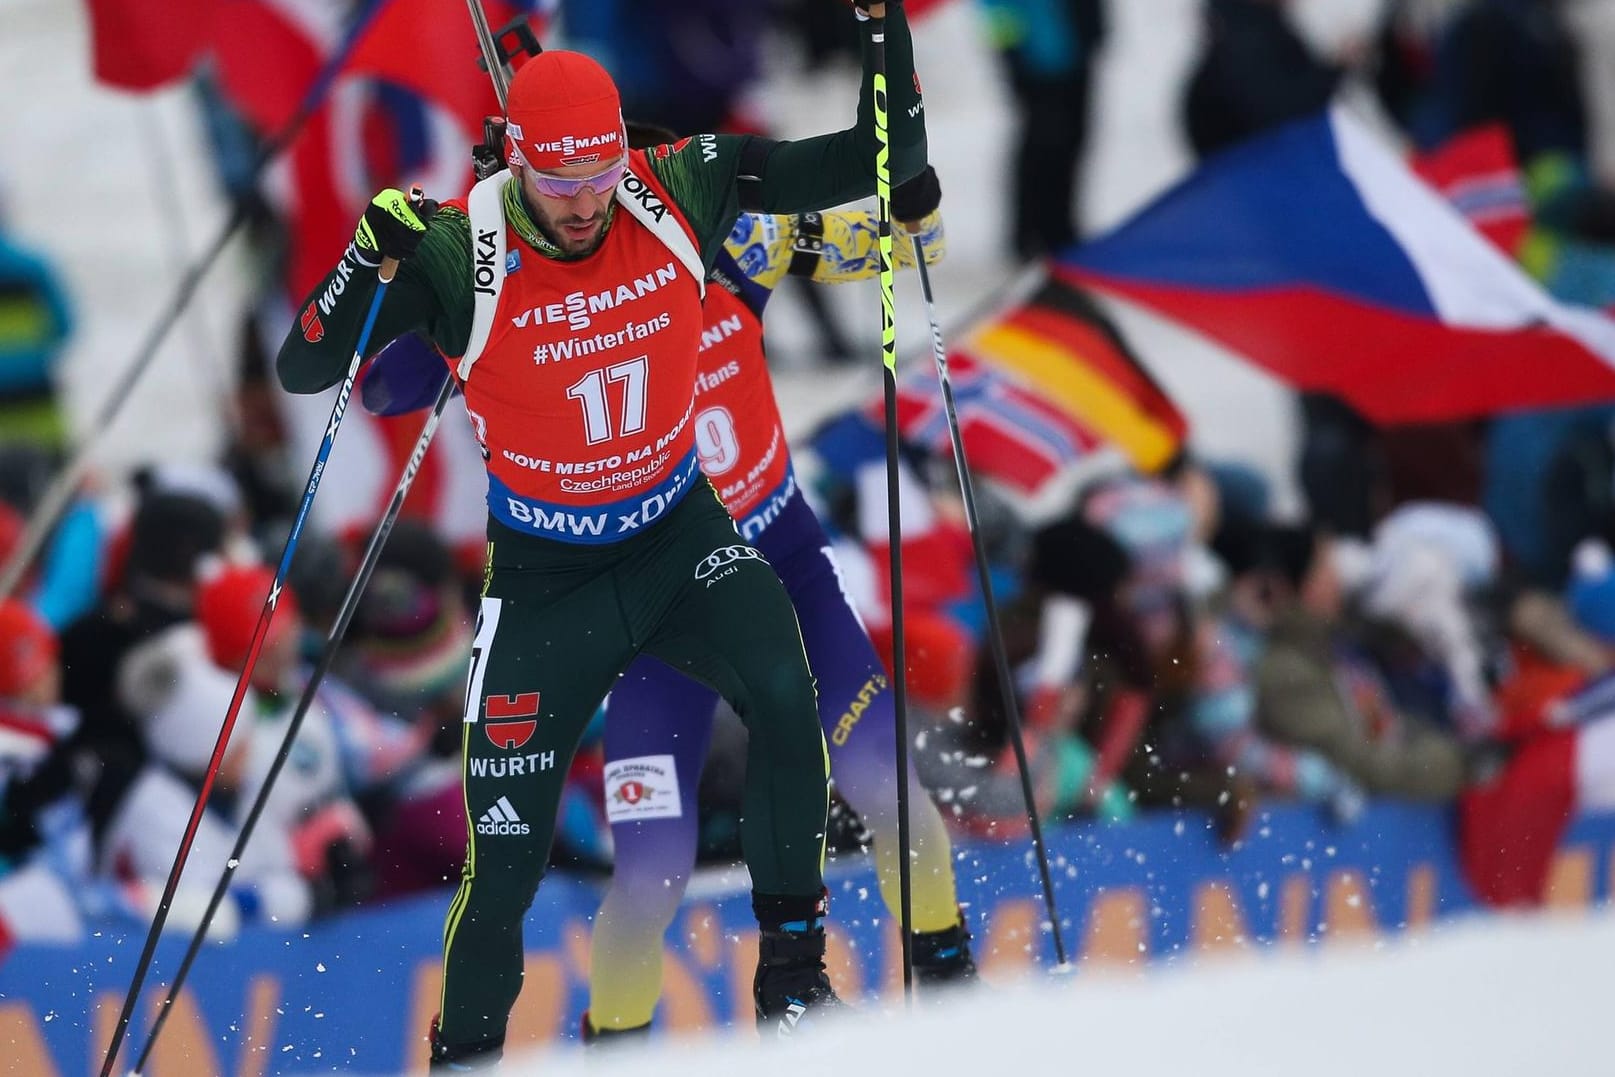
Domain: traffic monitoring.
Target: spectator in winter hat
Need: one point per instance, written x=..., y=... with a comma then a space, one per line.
x=63, y=578
x=36, y=902
x=28, y=651
x=215, y=485
x=1065, y=611
x=35, y=322
x=154, y=593
x=1313, y=692
x=1255, y=72
x=30, y=711
x=1173, y=706
x=310, y=805
x=229, y=603
x=179, y=684
x=169, y=534
x=411, y=634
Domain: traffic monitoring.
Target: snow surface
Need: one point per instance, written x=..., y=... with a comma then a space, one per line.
x=1485, y=997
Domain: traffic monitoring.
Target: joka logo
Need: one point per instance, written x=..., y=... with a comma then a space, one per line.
x=487, y=247
x=723, y=557
x=502, y=819
x=313, y=328
x=642, y=193
x=504, y=727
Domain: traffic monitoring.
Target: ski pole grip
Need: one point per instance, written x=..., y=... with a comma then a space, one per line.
x=387, y=270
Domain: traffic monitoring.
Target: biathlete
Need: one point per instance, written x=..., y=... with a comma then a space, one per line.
x=658, y=722
x=569, y=293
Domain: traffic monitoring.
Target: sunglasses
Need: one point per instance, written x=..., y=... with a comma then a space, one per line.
x=566, y=187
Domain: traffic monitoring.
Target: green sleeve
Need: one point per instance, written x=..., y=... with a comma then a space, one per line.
x=809, y=173
x=431, y=295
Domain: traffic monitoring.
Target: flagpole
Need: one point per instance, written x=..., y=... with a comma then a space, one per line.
x=995, y=633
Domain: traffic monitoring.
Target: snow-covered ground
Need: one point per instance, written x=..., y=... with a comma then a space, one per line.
x=1482, y=998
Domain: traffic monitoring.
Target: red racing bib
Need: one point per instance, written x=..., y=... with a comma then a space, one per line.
x=738, y=431
x=579, y=376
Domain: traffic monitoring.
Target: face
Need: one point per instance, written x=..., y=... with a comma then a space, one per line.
x=570, y=204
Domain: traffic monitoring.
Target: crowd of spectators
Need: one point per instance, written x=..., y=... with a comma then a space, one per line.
x=1443, y=638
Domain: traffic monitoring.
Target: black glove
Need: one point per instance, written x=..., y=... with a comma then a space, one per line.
x=916, y=199
x=393, y=225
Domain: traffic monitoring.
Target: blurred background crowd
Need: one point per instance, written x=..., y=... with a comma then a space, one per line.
x=1432, y=619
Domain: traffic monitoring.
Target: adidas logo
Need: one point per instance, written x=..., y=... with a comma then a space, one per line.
x=502, y=819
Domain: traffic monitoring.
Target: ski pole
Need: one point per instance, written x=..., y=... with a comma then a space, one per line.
x=499, y=72
x=995, y=634
x=339, y=629
x=54, y=501
x=894, y=514
x=388, y=267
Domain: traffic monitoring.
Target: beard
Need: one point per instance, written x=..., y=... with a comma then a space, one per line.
x=553, y=230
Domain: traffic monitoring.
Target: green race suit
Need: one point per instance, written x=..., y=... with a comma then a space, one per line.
x=559, y=621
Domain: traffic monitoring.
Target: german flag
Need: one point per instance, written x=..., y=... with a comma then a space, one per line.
x=1039, y=388
x=1060, y=344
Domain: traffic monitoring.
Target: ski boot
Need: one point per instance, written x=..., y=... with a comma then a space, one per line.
x=791, y=987
x=942, y=958
x=607, y=1038
x=463, y=1058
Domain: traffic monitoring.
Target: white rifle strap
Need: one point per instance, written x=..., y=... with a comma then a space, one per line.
x=651, y=210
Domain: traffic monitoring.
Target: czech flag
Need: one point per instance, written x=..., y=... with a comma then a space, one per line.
x=1315, y=252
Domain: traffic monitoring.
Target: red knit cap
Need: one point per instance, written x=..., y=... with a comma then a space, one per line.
x=228, y=606
x=27, y=648
x=562, y=109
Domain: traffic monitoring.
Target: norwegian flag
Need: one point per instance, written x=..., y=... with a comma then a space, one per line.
x=1009, y=432
x=1479, y=174
x=1042, y=387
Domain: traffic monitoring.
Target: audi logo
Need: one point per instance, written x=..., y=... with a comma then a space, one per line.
x=726, y=555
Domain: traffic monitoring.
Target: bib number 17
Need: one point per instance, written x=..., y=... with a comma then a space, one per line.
x=590, y=392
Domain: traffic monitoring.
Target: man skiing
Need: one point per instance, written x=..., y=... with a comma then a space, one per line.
x=658, y=722
x=569, y=293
